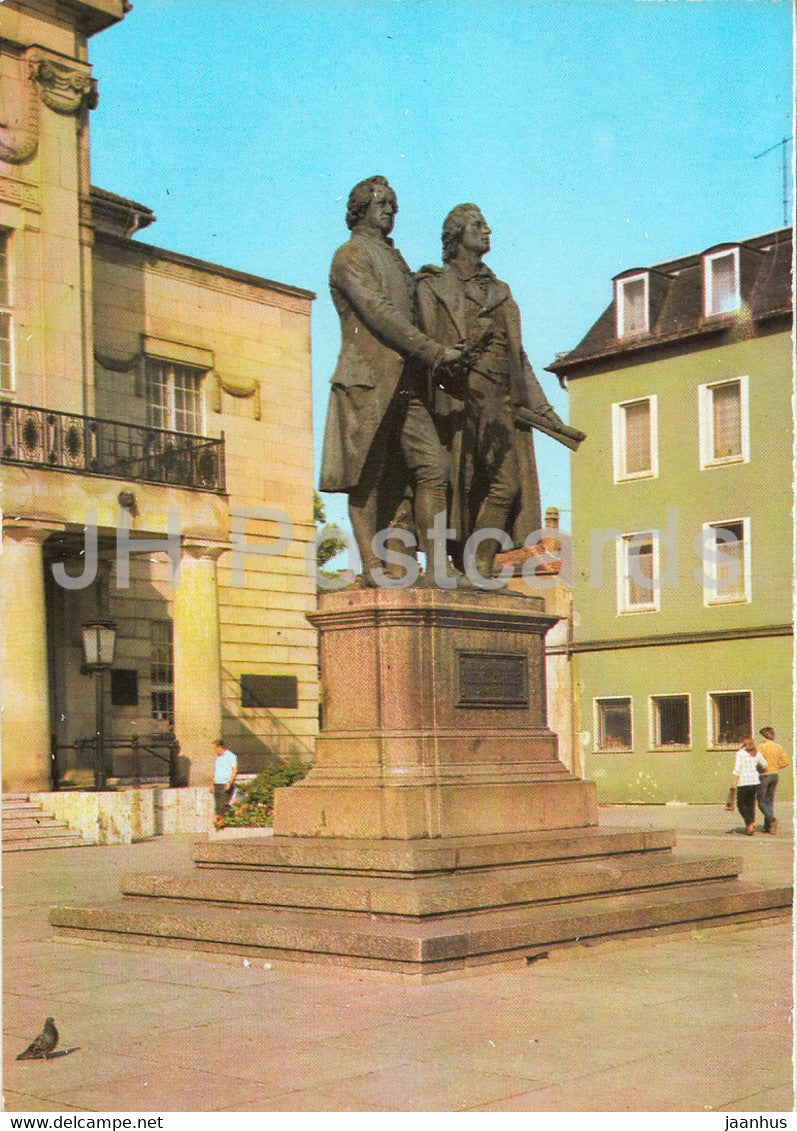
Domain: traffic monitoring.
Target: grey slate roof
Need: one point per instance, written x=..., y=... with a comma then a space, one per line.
x=676, y=303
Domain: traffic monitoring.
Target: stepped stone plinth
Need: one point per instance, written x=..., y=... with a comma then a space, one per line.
x=434, y=721
x=438, y=830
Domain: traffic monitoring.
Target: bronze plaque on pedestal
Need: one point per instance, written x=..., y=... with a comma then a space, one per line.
x=492, y=679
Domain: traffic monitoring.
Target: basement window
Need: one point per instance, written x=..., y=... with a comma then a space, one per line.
x=670, y=723
x=613, y=724
x=730, y=718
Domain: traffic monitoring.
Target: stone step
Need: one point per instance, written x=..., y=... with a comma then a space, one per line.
x=419, y=947
x=350, y=857
x=32, y=821
x=435, y=895
x=25, y=826
x=52, y=829
x=11, y=808
x=72, y=840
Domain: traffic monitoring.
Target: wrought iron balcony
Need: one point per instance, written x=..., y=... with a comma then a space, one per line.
x=86, y=445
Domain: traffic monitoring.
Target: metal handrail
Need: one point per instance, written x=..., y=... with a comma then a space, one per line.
x=89, y=445
x=163, y=747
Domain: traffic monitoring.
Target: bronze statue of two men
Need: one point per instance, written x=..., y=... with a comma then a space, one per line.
x=433, y=401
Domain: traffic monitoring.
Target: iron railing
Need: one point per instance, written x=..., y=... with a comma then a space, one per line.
x=148, y=758
x=40, y=437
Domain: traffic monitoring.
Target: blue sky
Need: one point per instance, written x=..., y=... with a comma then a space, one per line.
x=596, y=135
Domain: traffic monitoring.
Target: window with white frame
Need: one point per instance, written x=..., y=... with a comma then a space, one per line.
x=635, y=439
x=613, y=730
x=670, y=725
x=724, y=421
x=726, y=561
x=161, y=670
x=632, y=305
x=730, y=718
x=6, y=313
x=721, y=282
x=174, y=397
x=638, y=572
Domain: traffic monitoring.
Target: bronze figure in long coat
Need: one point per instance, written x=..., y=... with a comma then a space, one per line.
x=379, y=435
x=485, y=416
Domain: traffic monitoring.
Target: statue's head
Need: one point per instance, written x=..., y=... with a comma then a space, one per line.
x=362, y=195
x=454, y=226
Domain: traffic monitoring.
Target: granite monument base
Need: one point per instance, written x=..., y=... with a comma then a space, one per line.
x=438, y=830
x=434, y=721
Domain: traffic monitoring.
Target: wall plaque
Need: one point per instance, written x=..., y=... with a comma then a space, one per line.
x=269, y=691
x=492, y=679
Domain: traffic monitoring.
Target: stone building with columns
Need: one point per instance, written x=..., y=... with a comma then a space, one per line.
x=156, y=423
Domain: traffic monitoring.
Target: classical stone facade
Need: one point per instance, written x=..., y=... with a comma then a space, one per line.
x=146, y=401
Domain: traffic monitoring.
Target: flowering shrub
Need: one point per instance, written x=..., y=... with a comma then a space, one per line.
x=244, y=815
x=256, y=805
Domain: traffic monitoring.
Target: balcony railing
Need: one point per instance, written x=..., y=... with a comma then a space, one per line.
x=62, y=441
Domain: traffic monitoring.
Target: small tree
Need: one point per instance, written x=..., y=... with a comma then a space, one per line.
x=330, y=543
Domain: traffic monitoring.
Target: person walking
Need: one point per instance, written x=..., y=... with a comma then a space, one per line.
x=224, y=775
x=775, y=757
x=745, y=782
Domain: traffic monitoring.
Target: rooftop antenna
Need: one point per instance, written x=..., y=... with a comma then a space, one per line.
x=784, y=146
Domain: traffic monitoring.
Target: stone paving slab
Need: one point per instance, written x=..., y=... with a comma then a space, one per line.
x=669, y=1023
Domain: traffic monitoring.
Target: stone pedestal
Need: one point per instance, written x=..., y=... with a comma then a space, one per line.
x=438, y=830
x=434, y=721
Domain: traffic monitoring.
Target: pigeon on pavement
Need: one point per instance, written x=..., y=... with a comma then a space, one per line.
x=43, y=1045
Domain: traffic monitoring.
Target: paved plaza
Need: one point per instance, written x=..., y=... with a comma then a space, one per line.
x=678, y=1022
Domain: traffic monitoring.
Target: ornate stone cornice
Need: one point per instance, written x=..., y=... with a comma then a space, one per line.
x=118, y=365
x=201, y=550
x=65, y=88
x=437, y=608
x=19, y=142
x=236, y=388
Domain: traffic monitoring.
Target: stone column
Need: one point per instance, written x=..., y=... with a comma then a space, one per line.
x=25, y=691
x=197, y=658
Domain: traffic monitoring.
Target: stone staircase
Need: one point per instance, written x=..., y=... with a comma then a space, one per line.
x=427, y=906
x=25, y=826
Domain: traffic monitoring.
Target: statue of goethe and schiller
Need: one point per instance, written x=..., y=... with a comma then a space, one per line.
x=433, y=398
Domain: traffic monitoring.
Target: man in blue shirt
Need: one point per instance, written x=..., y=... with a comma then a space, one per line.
x=225, y=773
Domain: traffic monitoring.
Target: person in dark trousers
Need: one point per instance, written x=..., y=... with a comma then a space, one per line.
x=745, y=781
x=224, y=775
x=775, y=758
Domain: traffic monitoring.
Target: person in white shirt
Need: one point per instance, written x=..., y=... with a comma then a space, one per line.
x=745, y=781
x=224, y=775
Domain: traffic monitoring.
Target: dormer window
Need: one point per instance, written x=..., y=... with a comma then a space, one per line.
x=721, y=282
x=633, y=304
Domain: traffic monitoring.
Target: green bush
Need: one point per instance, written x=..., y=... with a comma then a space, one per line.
x=260, y=790
x=255, y=807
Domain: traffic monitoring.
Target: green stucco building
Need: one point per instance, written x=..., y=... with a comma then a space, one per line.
x=682, y=522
